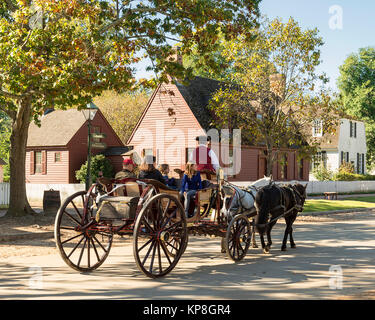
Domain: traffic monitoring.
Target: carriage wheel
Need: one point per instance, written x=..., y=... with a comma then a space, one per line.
x=238, y=238
x=160, y=235
x=83, y=249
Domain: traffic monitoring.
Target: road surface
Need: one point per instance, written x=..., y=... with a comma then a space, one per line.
x=334, y=258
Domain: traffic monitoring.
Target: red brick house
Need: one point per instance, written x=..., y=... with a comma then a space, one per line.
x=176, y=114
x=58, y=148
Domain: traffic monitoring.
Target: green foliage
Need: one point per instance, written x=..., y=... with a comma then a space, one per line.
x=122, y=110
x=352, y=177
x=275, y=99
x=357, y=93
x=321, y=173
x=99, y=163
x=346, y=168
x=5, y=132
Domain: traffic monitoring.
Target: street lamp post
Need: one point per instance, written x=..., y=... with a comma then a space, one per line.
x=89, y=113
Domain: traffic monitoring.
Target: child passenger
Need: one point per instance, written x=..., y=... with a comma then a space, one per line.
x=170, y=182
x=191, y=182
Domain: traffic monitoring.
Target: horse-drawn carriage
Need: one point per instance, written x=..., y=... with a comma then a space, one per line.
x=154, y=215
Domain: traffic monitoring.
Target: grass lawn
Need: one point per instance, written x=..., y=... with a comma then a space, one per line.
x=331, y=205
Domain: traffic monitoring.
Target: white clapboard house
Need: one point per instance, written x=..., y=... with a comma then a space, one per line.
x=347, y=144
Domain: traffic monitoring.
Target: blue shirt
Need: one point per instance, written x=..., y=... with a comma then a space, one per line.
x=195, y=183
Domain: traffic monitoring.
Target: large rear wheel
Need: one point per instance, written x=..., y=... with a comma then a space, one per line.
x=160, y=235
x=81, y=245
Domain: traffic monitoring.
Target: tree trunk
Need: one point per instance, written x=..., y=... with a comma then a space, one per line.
x=18, y=204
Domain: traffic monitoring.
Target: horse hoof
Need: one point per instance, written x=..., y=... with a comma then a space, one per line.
x=223, y=251
x=293, y=246
x=266, y=250
x=283, y=249
x=255, y=246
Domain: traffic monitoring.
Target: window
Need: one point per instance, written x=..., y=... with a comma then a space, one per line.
x=318, y=128
x=361, y=163
x=95, y=129
x=353, y=129
x=189, y=154
x=38, y=162
x=148, y=152
x=319, y=159
x=57, y=156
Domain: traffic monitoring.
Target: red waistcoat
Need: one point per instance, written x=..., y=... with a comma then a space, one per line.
x=202, y=159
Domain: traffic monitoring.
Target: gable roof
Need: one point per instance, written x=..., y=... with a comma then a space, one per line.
x=197, y=95
x=57, y=128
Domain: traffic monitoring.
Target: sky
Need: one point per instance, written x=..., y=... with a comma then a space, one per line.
x=342, y=36
x=345, y=26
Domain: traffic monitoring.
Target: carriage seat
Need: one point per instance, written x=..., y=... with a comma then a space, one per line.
x=117, y=208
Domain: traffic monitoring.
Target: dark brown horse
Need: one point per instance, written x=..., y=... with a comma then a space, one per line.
x=272, y=202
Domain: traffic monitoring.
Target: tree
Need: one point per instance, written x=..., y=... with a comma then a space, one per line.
x=99, y=163
x=273, y=95
x=64, y=53
x=122, y=110
x=356, y=84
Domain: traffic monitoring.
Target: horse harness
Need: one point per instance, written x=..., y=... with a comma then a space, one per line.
x=296, y=205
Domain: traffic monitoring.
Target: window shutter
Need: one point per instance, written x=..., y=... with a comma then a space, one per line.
x=358, y=163
x=44, y=162
x=347, y=157
x=355, y=129
x=363, y=163
x=342, y=157
x=32, y=162
x=351, y=129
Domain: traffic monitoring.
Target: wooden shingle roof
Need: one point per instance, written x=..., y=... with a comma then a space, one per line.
x=197, y=95
x=57, y=128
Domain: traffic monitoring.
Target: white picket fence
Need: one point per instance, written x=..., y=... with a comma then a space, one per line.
x=4, y=194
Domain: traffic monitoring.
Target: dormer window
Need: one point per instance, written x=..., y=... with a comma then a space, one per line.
x=317, y=128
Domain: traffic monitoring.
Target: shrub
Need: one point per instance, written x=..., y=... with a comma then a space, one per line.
x=346, y=168
x=98, y=163
x=352, y=177
x=321, y=173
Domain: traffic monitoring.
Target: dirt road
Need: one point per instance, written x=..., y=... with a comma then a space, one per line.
x=334, y=258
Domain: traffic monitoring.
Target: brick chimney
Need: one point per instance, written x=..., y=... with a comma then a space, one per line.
x=176, y=57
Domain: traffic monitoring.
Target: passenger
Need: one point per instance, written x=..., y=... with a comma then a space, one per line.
x=147, y=170
x=127, y=170
x=170, y=182
x=191, y=182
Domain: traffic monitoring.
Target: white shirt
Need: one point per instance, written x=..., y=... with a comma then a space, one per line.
x=214, y=160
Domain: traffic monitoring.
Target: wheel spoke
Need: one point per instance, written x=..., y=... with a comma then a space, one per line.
x=159, y=258
x=166, y=253
x=144, y=245
x=88, y=253
x=65, y=241
x=72, y=218
x=99, y=244
x=81, y=254
x=75, y=207
x=96, y=252
x=148, y=252
x=153, y=258
x=76, y=246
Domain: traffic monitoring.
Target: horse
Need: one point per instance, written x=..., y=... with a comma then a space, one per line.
x=272, y=202
x=236, y=199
